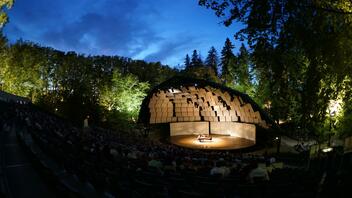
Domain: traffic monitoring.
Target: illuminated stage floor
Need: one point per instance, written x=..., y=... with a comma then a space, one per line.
x=218, y=142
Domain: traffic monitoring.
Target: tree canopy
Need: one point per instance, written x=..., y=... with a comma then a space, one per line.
x=72, y=84
x=212, y=60
x=4, y=5
x=125, y=94
x=300, y=52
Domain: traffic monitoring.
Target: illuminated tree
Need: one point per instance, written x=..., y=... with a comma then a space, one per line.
x=21, y=72
x=4, y=4
x=125, y=94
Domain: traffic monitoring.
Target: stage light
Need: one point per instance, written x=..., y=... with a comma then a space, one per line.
x=326, y=150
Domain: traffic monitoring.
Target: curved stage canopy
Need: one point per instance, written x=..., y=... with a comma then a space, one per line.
x=193, y=107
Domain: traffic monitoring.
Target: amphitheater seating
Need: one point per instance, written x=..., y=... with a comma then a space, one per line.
x=82, y=164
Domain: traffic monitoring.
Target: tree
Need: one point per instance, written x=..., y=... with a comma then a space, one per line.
x=187, y=62
x=22, y=70
x=4, y=4
x=243, y=64
x=124, y=95
x=227, y=61
x=197, y=69
x=196, y=60
x=212, y=60
x=300, y=52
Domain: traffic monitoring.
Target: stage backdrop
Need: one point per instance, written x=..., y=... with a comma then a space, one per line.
x=189, y=128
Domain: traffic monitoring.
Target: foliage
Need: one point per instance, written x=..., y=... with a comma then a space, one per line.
x=196, y=60
x=300, y=52
x=21, y=72
x=227, y=61
x=212, y=60
x=187, y=61
x=124, y=95
x=69, y=84
x=4, y=4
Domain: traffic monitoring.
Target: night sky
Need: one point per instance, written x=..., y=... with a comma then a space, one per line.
x=152, y=30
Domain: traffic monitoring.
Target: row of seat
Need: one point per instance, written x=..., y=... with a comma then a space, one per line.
x=3, y=188
x=68, y=181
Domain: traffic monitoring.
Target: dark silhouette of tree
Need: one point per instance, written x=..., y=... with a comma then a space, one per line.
x=196, y=60
x=212, y=60
x=200, y=60
x=227, y=61
x=197, y=69
x=243, y=63
x=187, y=62
x=300, y=51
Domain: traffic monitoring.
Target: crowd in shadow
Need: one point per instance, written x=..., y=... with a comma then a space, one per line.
x=118, y=164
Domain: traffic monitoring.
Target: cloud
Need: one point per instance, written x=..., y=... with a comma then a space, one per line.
x=159, y=30
x=171, y=48
x=109, y=27
x=117, y=30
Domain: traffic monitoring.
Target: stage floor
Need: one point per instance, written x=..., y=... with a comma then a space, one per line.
x=218, y=142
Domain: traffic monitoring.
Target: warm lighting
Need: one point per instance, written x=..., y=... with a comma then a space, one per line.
x=326, y=150
x=282, y=121
x=276, y=138
x=334, y=107
x=221, y=142
x=267, y=105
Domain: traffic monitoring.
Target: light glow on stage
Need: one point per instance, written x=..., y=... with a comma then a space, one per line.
x=218, y=142
x=214, y=140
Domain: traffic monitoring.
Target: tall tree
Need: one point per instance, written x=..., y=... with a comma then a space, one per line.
x=243, y=64
x=212, y=60
x=4, y=4
x=196, y=60
x=187, y=62
x=227, y=61
x=300, y=50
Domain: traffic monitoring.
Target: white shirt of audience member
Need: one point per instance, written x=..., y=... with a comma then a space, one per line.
x=259, y=172
x=85, y=122
x=223, y=170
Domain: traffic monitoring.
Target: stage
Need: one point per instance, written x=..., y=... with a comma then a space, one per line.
x=218, y=142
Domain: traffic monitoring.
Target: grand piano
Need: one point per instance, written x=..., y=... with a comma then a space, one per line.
x=204, y=137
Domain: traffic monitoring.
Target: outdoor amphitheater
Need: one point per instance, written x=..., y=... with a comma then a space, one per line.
x=215, y=142
x=202, y=116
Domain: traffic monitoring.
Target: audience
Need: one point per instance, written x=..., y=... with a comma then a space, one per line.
x=111, y=160
x=258, y=174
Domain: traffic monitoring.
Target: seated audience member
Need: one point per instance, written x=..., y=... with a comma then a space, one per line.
x=155, y=163
x=220, y=169
x=272, y=160
x=258, y=174
x=269, y=167
x=170, y=165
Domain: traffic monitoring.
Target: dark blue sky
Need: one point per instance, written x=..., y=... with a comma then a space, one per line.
x=153, y=30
